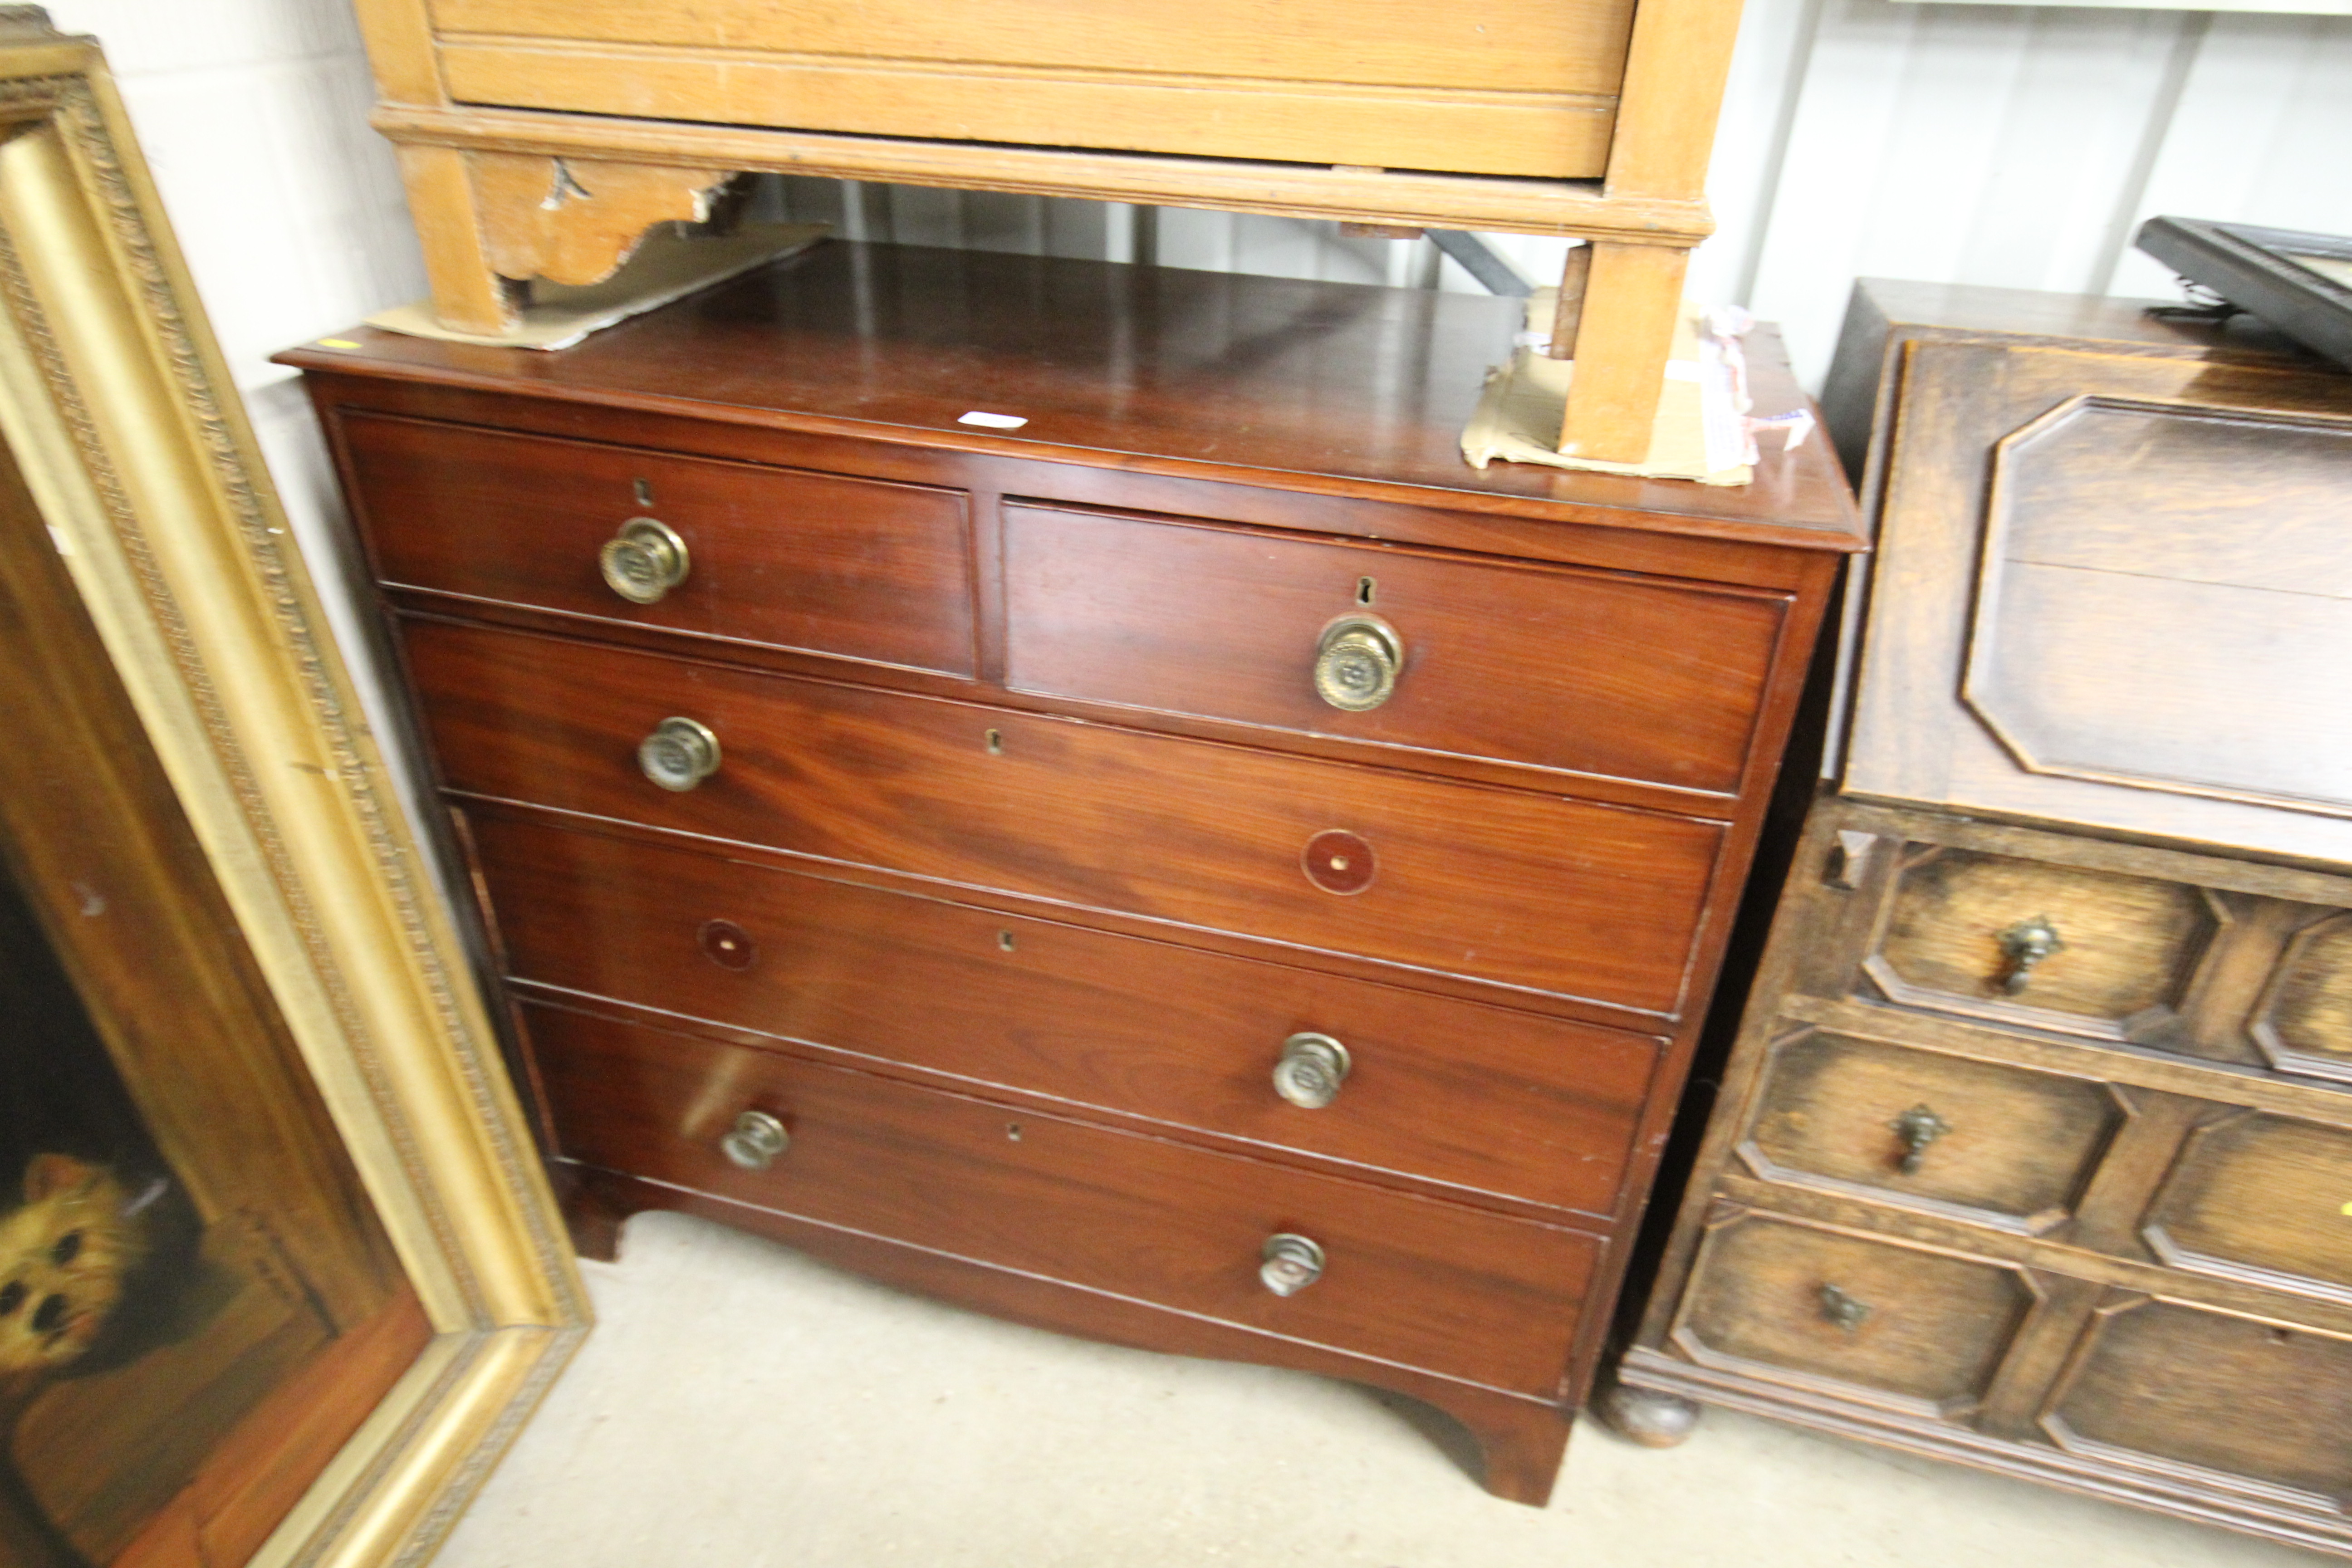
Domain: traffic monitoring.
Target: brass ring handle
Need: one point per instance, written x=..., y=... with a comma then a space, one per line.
x=1917, y=1128
x=1844, y=1311
x=1288, y=1264
x=678, y=754
x=1311, y=1069
x=644, y=561
x=755, y=1141
x=1357, y=662
x=2027, y=943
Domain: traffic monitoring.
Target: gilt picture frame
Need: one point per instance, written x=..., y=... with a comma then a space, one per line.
x=184, y=723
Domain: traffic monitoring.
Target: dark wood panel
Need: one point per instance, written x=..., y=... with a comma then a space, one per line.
x=1528, y=889
x=2264, y=1198
x=2233, y=1397
x=2060, y=946
x=1927, y=1329
x=851, y=567
x=1577, y=671
x=1450, y=1290
x=2005, y=1144
x=1477, y=1097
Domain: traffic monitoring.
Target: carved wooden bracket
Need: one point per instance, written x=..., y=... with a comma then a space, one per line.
x=575, y=220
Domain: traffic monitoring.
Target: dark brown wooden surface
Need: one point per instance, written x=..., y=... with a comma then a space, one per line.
x=1531, y=890
x=1450, y=1290
x=1297, y=384
x=852, y=568
x=1545, y=831
x=1450, y=1092
x=1582, y=672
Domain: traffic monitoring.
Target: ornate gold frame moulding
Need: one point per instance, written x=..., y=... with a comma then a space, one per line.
x=115, y=404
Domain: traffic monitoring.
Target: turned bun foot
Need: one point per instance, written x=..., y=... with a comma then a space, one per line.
x=1647, y=1417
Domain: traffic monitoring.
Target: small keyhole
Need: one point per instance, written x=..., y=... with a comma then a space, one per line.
x=1005, y=940
x=1363, y=590
x=1012, y=1130
x=996, y=742
x=646, y=498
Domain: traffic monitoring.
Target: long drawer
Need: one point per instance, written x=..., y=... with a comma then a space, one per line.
x=1482, y=1098
x=1419, y=1283
x=1507, y=885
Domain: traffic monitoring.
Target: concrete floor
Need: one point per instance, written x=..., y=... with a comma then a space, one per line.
x=741, y=1406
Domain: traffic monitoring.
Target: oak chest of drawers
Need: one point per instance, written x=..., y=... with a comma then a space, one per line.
x=1208, y=870
x=2035, y=1148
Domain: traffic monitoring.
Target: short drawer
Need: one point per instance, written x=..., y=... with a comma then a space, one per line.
x=1996, y=1144
x=1584, y=672
x=1481, y=1098
x=2239, y=1405
x=2264, y=1198
x=1922, y=1330
x=1456, y=1291
x=2053, y=946
x=853, y=568
x=1507, y=885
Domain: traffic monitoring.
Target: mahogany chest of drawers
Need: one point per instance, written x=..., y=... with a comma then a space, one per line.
x=2035, y=1148
x=1206, y=870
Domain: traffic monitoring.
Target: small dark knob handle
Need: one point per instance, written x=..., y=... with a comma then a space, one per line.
x=1357, y=662
x=678, y=754
x=755, y=1141
x=2027, y=943
x=644, y=561
x=1311, y=1069
x=1288, y=1264
x=1842, y=1309
x=1917, y=1128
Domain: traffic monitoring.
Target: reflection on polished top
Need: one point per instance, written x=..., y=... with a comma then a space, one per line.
x=1291, y=383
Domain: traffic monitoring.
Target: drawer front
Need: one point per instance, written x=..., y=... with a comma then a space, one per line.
x=1505, y=885
x=1455, y=1291
x=2304, y=1022
x=1786, y=1301
x=2168, y=1386
x=1580, y=671
x=2261, y=1197
x=1479, y=1097
x=854, y=568
x=2007, y=1145
x=2059, y=947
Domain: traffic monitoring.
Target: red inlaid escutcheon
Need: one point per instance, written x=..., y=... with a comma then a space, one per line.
x=727, y=944
x=1338, y=862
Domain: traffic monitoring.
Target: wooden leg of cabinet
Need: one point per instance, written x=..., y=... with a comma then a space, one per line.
x=1632, y=301
x=1521, y=1438
x=1648, y=1417
x=468, y=295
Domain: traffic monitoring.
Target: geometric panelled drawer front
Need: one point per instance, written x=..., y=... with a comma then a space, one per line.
x=2058, y=946
x=2264, y=1198
x=1776, y=1297
x=2256, y=1406
x=2304, y=1022
x=2002, y=1145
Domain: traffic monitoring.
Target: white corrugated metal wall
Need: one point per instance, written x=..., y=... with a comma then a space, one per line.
x=2012, y=145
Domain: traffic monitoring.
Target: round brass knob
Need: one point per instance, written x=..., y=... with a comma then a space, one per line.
x=755, y=1141
x=1357, y=662
x=678, y=754
x=1311, y=1071
x=644, y=561
x=1289, y=1264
